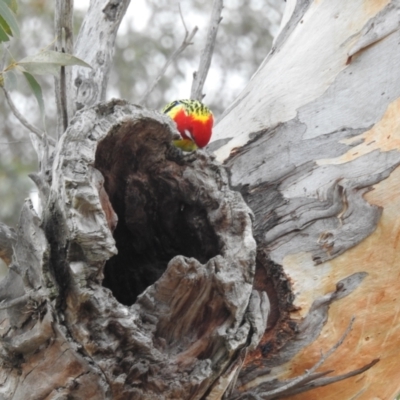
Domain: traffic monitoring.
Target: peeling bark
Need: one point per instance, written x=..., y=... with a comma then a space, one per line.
x=317, y=159
x=181, y=231
x=152, y=274
x=101, y=25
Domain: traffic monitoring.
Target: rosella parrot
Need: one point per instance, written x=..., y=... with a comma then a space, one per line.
x=194, y=122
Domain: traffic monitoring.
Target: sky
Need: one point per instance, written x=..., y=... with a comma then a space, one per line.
x=138, y=14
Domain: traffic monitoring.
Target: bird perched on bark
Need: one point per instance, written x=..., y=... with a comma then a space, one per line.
x=194, y=122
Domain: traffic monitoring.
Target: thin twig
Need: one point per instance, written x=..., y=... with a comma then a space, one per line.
x=187, y=41
x=200, y=76
x=42, y=185
x=182, y=19
x=24, y=122
x=63, y=22
x=63, y=95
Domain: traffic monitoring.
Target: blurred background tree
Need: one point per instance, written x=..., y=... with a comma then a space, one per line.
x=151, y=31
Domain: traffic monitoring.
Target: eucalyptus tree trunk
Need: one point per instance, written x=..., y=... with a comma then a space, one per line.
x=152, y=274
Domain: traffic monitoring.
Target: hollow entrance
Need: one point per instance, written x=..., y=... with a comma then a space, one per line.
x=159, y=214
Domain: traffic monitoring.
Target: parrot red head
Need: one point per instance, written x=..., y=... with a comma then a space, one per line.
x=193, y=119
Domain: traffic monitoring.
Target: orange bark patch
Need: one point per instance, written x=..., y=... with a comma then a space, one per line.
x=384, y=135
x=376, y=306
x=308, y=280
x=372, y=7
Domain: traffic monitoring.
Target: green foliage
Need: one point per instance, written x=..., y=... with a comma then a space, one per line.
x=12, y=4
x=8, y=23
x=36, y=90
x=43, y=63
x=17, y=154
x=49, y=62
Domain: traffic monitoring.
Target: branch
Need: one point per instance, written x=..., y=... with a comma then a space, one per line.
x=200, y=76
x=63, y=23
x=95, y=45
x=7, y=240
x=43, y=187
x=24, y=122
x=187, y=41
x=63, y=113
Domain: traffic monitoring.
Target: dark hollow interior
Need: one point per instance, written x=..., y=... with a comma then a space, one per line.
x=156, y=219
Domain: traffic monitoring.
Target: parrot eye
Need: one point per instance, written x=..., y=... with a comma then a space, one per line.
x=170, y=106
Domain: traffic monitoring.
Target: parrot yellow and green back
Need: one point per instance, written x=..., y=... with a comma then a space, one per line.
x=194, y=122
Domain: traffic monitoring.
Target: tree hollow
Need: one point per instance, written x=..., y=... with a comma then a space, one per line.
x=159, y=214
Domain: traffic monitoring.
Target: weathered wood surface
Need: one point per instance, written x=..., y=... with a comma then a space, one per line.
x=312, y=143
x=95, y=45
x=7, y=240
x=187, y=333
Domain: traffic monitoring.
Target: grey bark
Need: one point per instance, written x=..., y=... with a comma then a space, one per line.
x=7, y=241
x=63, y=21
x=183, y=331
x=199, y=76
x=101, y=25
x=200, y=301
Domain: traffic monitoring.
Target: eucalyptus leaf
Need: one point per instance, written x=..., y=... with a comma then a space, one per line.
x=36, y=68
x=37, y=91
x=3, y=35
x=9, y=17
x=10, y=80
x=13, y=4
x=49, y=62
x=5, y=26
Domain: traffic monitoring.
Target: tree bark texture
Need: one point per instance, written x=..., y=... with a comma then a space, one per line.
x=95, y=45
x=181, y=230
x=147, y=276
x=312, y=143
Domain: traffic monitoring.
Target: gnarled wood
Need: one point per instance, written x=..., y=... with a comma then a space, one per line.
x=177, y=217
x=189, y=307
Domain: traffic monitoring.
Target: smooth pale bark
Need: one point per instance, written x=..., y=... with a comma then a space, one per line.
x=95, y=45
x=196, y=310
x=313, y=145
